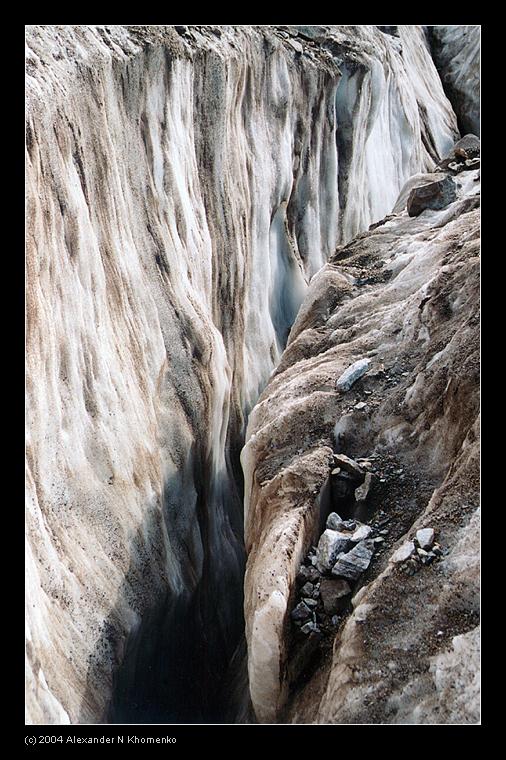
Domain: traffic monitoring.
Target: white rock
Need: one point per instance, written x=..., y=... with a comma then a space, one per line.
x=330, y=545
x=352, y=374
x=361, y=532
x=425, y=537
x=403, y=552
x=335, y=522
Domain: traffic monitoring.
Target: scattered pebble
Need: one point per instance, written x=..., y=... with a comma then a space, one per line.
x=403, y=552
x=352, y=374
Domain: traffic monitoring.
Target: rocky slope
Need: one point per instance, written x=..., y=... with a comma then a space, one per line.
x=401, y=300
x=183, y=187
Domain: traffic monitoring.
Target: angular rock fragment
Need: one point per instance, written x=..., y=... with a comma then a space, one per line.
x=354, y=563
x=310, y=627
x=352, y=374
x=311, y=603
x=333, y=594
x=436, y=195
x=331, y=543
x=349, y=465
x=307, y=589
x=425, y=537
x=470, y=144
x=403, y=552
x=307, y=574
x=334, y=522
x=361, y=532
x=362, y=492
x=301, y=612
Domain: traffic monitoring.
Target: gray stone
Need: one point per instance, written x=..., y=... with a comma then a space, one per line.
x=361, y=405
x=362, y=492
x=350, y=376
x=473, y=163
x=354, y=563
x=425, y=537
x=333, y=594
x=435, y=195
x=349, y=466
x=331, y=543
x=307, y=574
x=335, y=621
x=307, y=589
x=310, y=627
x=311, y=603
x=361, y=532
x=403, y=552
x=468, y=147
x=416, y=181
x=470, y=144
x=334, y=522
x=301, y=612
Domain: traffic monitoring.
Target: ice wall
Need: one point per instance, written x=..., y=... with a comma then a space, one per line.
x=182, y=188
x=456, y=51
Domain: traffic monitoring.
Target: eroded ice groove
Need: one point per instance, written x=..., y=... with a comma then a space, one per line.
x=183, y=187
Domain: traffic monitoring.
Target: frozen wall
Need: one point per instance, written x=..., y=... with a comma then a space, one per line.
x=456, y=51
x=182, y=188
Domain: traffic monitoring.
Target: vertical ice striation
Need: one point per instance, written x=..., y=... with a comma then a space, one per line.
x=182, y=189
x=456, y=51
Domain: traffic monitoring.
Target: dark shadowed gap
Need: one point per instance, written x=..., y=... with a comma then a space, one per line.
x=185, y=663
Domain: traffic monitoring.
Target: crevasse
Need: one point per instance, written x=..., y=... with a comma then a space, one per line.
x=181, y=192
